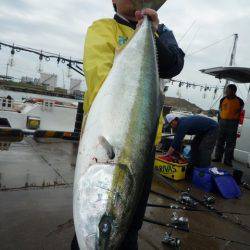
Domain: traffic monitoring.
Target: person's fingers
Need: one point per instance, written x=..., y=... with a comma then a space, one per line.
x=153, y=16
x=138, y=15
x=151, y=13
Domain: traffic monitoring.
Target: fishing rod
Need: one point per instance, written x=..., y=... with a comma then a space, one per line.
x=177, y=207
x=185, y=201
x=180, y=224
x=206, y=205
x=207, y=199
x=195, y=232
x=220, y=238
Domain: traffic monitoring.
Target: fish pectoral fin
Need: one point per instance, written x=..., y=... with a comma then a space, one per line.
x=107, y=146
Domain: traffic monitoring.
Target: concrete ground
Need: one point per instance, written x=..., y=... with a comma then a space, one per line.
x=36, y=205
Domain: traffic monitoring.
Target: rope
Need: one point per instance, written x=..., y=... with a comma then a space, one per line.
x=189, y=28
x=208, y=46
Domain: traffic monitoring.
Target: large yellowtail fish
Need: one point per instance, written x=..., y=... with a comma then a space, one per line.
x=116, y=143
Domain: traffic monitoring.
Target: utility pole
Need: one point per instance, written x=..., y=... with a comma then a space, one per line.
x=232, y=59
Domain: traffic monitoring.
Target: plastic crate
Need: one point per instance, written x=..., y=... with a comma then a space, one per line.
x=171, y=170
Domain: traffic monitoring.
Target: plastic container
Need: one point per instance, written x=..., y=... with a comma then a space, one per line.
x=209, y=182
x=203, y=179
x=227, y=186
x=187, y=152
x=171, y=170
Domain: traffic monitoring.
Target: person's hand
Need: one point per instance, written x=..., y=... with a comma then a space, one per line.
x=152, y=15
x=170, y=151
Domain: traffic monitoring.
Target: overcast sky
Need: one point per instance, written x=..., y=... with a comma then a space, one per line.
x=60, y=26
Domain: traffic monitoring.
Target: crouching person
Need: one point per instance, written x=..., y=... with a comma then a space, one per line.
x=205, y=131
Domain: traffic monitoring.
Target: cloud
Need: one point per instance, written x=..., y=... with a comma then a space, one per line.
x=60, y=26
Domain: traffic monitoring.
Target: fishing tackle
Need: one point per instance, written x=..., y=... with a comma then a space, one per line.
x=187, y=199
x=171, y=241
x=208, y=199
x=208, y=206
x=181, y=222
x=179, y=226
x=245, y=185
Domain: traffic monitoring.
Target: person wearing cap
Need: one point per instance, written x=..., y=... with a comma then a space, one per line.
x=106, y=36
x=205, y=131
x=229, y=115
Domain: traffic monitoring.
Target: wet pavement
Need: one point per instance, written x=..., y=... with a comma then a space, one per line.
x=36, y=205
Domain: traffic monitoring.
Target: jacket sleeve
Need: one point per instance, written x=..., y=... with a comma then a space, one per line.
x=170, y=56
x=99, y=52
x=180, y=134
x=241, y=102
x=220, y=106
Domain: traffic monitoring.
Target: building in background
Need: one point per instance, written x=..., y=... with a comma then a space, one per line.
x=36, y=81
x=75, y=85
x=6, y=78
x=75, y=88
x=27, y=79
x=50, y=80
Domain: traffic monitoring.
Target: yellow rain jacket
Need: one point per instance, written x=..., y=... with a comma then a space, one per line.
x=103, y=38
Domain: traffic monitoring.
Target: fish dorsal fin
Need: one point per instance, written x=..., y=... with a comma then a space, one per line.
x=152, y=4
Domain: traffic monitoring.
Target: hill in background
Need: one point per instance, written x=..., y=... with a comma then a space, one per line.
x=179, y=104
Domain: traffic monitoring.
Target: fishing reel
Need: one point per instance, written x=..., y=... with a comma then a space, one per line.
x=245, y=185
x=186, y=199
x=171, y=241
x=208, y=199
x=180, y=223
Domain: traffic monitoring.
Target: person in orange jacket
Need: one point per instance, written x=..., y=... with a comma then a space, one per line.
x=106, y=36
x=229, y=115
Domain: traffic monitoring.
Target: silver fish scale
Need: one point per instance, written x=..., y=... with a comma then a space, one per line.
x=125, y=112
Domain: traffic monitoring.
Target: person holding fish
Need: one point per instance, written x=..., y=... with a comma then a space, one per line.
x=104, y=39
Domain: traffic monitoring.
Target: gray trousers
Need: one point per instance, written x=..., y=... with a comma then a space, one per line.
x=202, y=148
x=226, y=140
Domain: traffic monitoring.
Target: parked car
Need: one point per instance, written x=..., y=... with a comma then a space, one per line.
x=242, y=149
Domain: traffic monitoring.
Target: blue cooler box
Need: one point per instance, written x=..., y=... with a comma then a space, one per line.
x=209, y=182
x=203, y=179
x=227, y=186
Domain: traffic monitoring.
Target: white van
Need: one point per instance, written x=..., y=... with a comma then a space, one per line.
x=239, y=75
x=242, y=149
